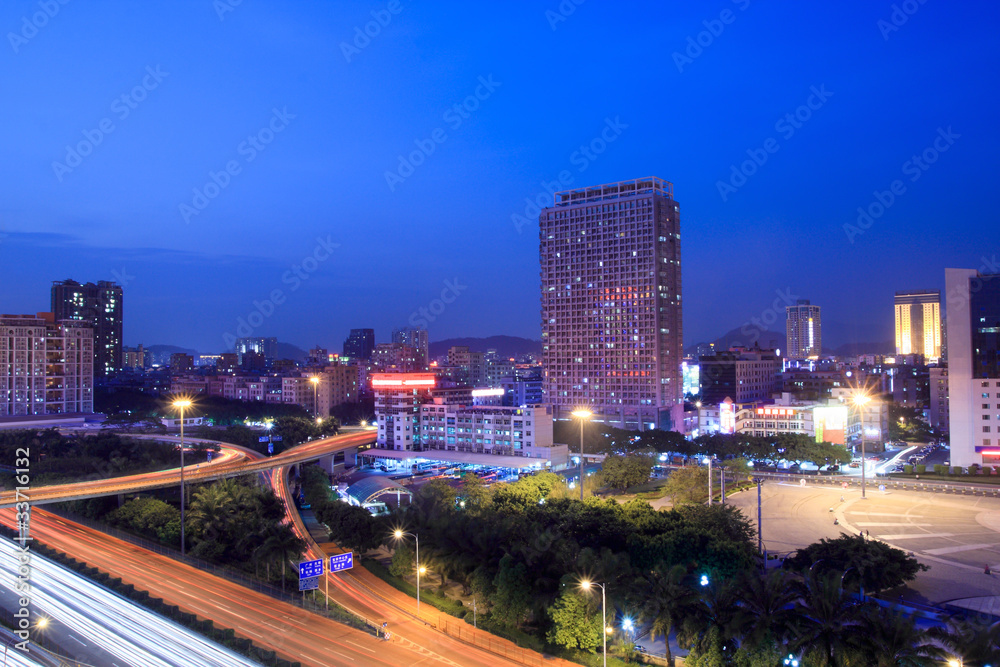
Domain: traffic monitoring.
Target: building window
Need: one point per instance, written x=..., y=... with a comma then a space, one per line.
x=986, y=429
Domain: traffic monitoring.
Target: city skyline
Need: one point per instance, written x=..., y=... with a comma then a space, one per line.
x=777, y=174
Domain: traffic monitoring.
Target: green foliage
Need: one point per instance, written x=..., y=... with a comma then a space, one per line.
x=350, y=526
x=512, y=599
x=687, y=485
x=621, y=472
x=149, y=516
x=908, y=469
x=920, y=468
x=880, y=565
x=576, y=621
x=403, y=560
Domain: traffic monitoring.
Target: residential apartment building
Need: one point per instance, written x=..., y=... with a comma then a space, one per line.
x=266, y=347
x=973, y=366
x=417, y=339
x=803, y=330
x=100, y=307
x=742, y=375
x=939, y=398
x=918, y=323
x=611, y=304
x=360, y=344
x=46, y=366
x=510, y=431
x=398, y=397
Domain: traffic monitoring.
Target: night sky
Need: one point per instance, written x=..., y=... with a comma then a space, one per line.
x=308, y=118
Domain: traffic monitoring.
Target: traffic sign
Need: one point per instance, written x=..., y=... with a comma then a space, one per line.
x=310, y=568
x=276, y=438
x=342, y=562
x=309, y=584
x=263, y=438
x=270, y=448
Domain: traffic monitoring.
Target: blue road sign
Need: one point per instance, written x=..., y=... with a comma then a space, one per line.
x=262, y=438
x=270, y=448
x=276, y=438
x=310, y=568
x=342, y=562
x=309, y=584
x=209, y=456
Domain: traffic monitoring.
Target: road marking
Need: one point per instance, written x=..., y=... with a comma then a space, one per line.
x=75, y=639
x=912, y=516
x=872, y=524
x=363, y=648
x=906, y=536
x=963, y=547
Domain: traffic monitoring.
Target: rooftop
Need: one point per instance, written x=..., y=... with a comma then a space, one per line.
x=611, y=191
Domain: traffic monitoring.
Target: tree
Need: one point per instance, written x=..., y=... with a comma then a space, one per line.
x=621, y=472
x=668, y=600
x=764, y=619
x=402, y=560
x=296, y=430
x=474, y=494
x=687, y=485
x=891, y=639
x=828, y=621
x=576, y=621
x=880, y=565
x=513, y=594
x=976, y=642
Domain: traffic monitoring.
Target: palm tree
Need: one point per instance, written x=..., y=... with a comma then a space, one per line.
x=976, y=642
x=668, y=600
x=279, y=541
x=765, y=617
x=827, y=623
x=711, y=625
x=891, y=639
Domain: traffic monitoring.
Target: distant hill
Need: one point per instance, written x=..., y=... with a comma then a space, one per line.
x=507, y=346
x=854, y=349
x=289, y=351
x=767, y=340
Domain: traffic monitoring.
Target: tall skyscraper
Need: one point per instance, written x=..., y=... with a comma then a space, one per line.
x=611, y=304
x=46, y=366
x=360, y=344
x=416, y=338
x=100, y=306
x=267, y=347
x=973, y=366
x=803, y=330
x=918, y=323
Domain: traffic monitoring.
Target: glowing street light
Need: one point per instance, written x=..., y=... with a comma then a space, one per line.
x=583, y=414
x=791, y=661
x=181, y=404
x=399, y=534
x=704, y=580
x=315, y=383
x=861, y=399
x=586, y=585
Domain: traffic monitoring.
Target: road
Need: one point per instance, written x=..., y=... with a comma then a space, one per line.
x=234, y=461
x=954, y=535
x=89, y=615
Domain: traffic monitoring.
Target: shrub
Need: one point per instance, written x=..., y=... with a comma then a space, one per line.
x=920, y=468
x=957, y=470
x=908, y=469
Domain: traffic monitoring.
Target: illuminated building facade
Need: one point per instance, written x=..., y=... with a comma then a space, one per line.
x=611, y=304
x=918, y=323
x=100, y=307
x=360, y=344
x=398, y=397
x=510, y=431
x=803, y=330
x=743, y=375
x=46, y=366
x=973, y=366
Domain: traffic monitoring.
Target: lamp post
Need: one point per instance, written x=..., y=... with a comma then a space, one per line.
x=585, y=585
x=697, y=405
x=400, y=535
x=180, y=404
x=708, y=460
x=315, y=383
x=582, y=414
x=861, y=400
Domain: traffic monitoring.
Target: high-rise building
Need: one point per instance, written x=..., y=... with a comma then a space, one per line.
x=360, y=344
x=135, y=357
x=611, y=304
x=918, y=323
x=743, y=376
x=46, y=366
x=416, y=338
x=100, y=306
x=803, y=331
x=973, y=366
x=939, y=398
x=256, y=345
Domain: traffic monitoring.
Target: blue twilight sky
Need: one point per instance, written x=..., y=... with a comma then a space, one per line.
x=310, y=127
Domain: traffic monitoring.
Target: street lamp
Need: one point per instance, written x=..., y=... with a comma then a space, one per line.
x=180, y=404
x=398, y=534
x=955, y=662
x=315, y=383
x=708, y=460
x=861, y=400
x=583, y=414
x=585, y=585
